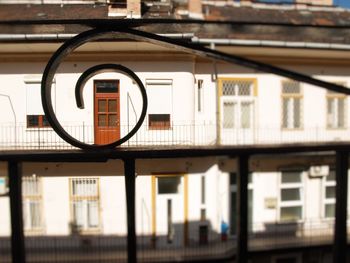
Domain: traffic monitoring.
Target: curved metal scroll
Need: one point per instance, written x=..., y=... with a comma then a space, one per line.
x=109, y=32
x=48, y=76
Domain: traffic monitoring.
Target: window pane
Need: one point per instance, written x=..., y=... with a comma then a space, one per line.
x=32, y=120
x=341, y=113
x=35, y=214
x=93, y=214
x=291, y=177
x=244, y=88
x=285, y=115
x=84, y=187
x=112, y=120
x=159, y=121
x=291, y=213
x=229, y=113
x=297, y=115
x=331, y=175
x=45, y=121
x=106, y=87
x=246, y=114
x=250, y=209
x=329, y=210
x=78, y=213
x=292, y=194
x=229, y=88
x=291, y=87
x=168, y=185
x=112, y=106
x=330, y=112
x=330, y=191
x=102, y=120
x=102, y=105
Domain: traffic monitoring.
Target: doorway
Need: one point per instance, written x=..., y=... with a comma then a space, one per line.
x=106, y=111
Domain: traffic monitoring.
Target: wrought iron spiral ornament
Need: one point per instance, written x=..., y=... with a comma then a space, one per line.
x=49, y=73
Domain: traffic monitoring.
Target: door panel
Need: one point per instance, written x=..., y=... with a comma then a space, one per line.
x=170, y=211
x=107, y=111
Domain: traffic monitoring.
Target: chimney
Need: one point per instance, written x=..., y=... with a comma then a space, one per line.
x=315, y=2
x=133, y=8
x=195, y=9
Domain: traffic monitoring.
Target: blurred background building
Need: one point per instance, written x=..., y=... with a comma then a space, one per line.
x=186, y=207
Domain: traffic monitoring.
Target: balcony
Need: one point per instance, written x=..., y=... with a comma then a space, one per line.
x=19, y=137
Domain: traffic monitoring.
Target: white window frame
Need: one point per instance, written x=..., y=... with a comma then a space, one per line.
x=238, y=100
x=327, y=201
x=28, y=199
x=291, y=97
x=152, y=106
x=332, y=120
x=301, y=202
x=35, y=79
x=85, y=198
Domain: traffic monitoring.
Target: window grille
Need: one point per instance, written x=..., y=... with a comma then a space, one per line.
x=237, y=103
x=291, y=105
x=32, y=203
x=85, y=203
x=237, y=87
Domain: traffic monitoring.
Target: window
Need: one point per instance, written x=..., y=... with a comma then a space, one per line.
x=237, y=103
x=35, y=114
x=37, y=121
x=291, y=105
x=159, y=121
x=160, y=99
x=336, y=110
x=329, y=194
x=85, y=203
x=32, y=203
x=169, y=185
x=233, y=203
x=291, y=192
x=200, y=95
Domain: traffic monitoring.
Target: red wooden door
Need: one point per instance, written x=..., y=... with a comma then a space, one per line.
x=106, y=111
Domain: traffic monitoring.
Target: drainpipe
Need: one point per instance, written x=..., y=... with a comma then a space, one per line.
x=217, y=98
x=14, y=114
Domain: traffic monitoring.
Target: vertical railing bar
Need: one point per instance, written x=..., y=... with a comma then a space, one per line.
x=17, y=235
x=130, y=176
x=340, y=232
x=242, y=209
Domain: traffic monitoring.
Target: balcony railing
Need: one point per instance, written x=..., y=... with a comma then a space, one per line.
x=19, y=137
